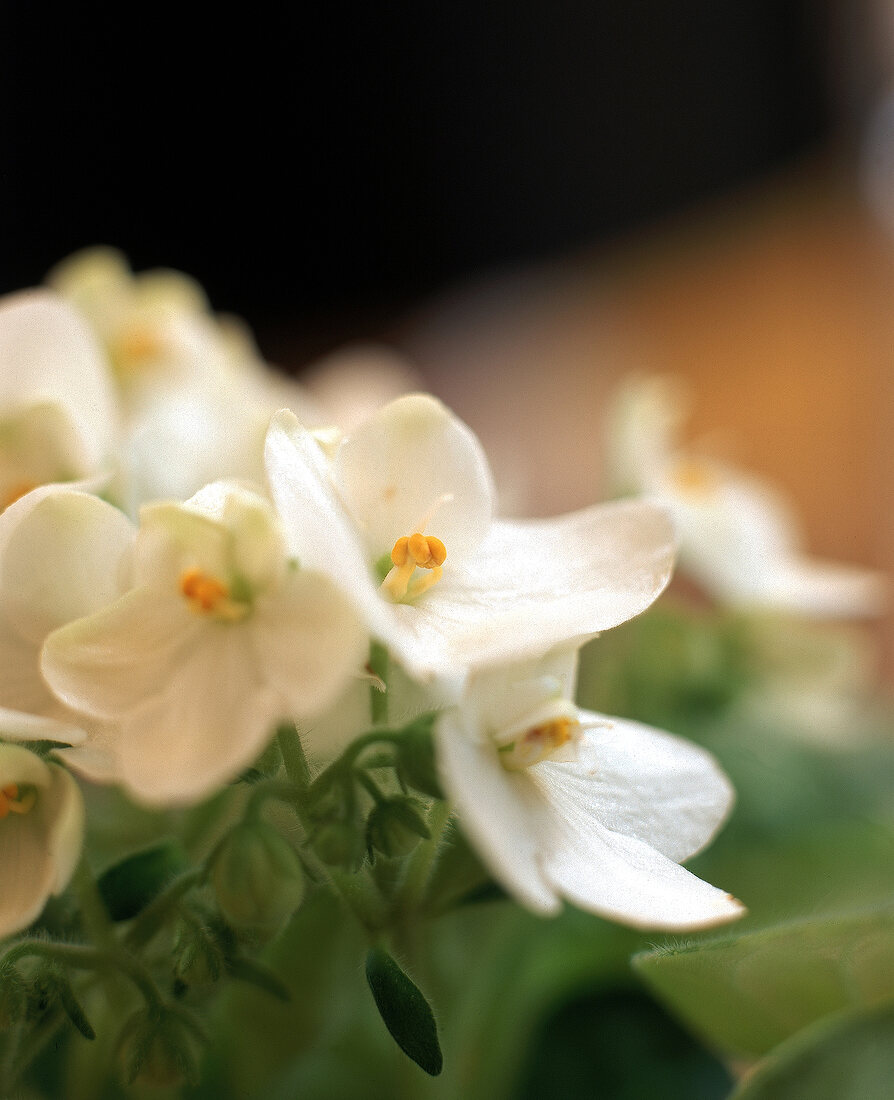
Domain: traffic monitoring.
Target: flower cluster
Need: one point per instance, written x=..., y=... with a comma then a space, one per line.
x=183, y=569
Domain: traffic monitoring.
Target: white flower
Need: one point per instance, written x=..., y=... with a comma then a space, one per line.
x=221, y=638
x=563, y=803
x=41, y=834
x=58, y=419
x=738, y=537
x=349, y=385
x=410, y=492
x=63, y=554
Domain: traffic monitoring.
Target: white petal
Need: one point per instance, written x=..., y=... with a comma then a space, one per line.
x=63, y=554
x=93, y=761
x=62, y=809
x=28, y=872
x=308, y=641
x=644, y=783
x=317, y=530
x=206, y=723
x=494, y=811
x=412, y=460
x=622, y=878
x=355, y=381
x=109, y=662
x=534, y=585
x=819, y=589
x=20, y=765
x=47, y=352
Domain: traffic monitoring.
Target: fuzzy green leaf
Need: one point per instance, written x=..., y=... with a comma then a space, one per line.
x=405, y=1011
x=127, y=887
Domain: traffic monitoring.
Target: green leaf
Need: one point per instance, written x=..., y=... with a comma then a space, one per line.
x=127, y=887
x=748, y=993
x=405, y=1011
x=847, y=1055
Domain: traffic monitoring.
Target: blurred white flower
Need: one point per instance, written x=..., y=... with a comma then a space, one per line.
x=221, y=638
x=41, y=834
x=63, y=554
x=739, y=539
x=564, y=803
x=409, y=493
x=352, y=383
x=58, y=416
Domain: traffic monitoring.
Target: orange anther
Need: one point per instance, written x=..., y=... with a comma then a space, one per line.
x=11, y=790
x=437, y=550
x=400, y=552
x=204, y=592
x=418, y=547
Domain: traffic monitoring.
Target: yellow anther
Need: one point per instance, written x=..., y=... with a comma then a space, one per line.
x=135, y=346
x=15, y=801
x=412, y=552
x=694, y=477
x=539, y=743
x=207, y=595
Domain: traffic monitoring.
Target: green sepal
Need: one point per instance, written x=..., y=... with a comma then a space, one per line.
x=72, y=1007
x=405, y=1011
x=416, y=757
x=128, y=886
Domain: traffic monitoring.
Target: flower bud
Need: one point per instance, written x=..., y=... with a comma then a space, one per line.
x=416, y=760
x=159, y=1047
x=396, y=826
x=339, y=844
x=198, y=957
x=257, y=877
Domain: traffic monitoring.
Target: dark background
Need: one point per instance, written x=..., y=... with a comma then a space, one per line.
x=330, y=165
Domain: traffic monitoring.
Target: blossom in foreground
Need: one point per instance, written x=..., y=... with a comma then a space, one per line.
x=63, y=554
x=409, y=494
x=41, y=834
x=738, y=537
x=220, y=639
x=563, y=803
x=58, y=417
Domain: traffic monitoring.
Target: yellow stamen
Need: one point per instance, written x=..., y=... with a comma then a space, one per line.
x=538, y=743
x=207, y=595
x=412, y=552
x=16, y=492
x=694, y=477
x=135, y=346
x=15, y=801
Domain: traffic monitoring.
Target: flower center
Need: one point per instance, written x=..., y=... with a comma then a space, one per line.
x=14, y=800
x=134, y=347
x=412, y=552
x=206, y=595
x=538, y=743
x=695, y=478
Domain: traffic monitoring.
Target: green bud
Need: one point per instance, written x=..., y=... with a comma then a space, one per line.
x=159, y=1047
x=339, y=844
x=416, y=760
x=257, y=877
x=396, y=826
x=198, y=957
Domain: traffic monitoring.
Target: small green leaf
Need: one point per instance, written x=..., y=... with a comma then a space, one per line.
x=747, y=993
x=846, y=1055
x=127, y=887
x=405, y=1011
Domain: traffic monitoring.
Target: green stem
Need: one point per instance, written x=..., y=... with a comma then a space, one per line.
x=94, y=914
x=89, y=958
x=148, y=922
x=422, y=862
x=293, y=757
x=379, y=665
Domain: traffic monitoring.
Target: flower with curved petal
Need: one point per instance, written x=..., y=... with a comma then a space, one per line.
x=564, y=803
x=41, y=834
x=738, y=537
x=221, y=638
x=410, y=492
x=63, y=554
x=58, y=417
